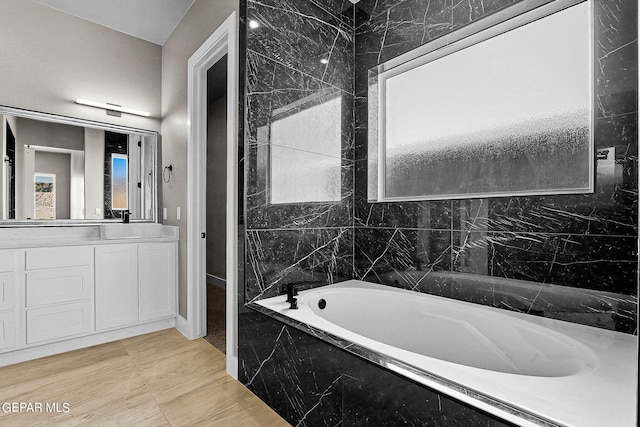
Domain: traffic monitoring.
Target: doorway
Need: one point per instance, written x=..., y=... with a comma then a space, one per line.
x=216, y=190
x=224, y=41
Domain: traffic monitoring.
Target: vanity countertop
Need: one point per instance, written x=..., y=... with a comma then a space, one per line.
x=30, y=237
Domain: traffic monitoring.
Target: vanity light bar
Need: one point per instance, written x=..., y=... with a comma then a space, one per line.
x=112, y=107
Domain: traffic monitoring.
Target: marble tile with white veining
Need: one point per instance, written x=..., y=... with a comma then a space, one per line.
x=299, y=376
x=380, y=252
x=312, y=182
x=616, y=55
x=313, y=38
x=375, y=397
x=397, y=30
x=314, y=257
x=611, y=211
x=466, y=12
x=601, y=269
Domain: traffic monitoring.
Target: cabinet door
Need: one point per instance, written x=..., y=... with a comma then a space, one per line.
x=7, y=329
x=158, y=280
x=7, y=291
x=7, y=261
x=116, y=286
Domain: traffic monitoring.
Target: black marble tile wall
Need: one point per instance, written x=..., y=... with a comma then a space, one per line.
x=586, y=243
x=311, y=257
x=299, y=376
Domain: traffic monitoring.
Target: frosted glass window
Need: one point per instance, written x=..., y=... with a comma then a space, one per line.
x=505, y=114
x=305, y=155
x=119, y=182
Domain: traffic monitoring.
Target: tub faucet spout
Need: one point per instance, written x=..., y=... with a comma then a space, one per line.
x=291, y=293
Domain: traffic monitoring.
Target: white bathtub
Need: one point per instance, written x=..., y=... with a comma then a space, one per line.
x=525, y=369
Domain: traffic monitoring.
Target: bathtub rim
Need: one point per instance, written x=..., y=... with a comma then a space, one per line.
x=466, y=394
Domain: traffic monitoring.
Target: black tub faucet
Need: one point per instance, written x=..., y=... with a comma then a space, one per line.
x=291, y=295
x=125, y=217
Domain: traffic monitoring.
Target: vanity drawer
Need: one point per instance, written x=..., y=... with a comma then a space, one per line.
x=59, y=321
x=7, y=291
x=7, y=329
x=7, y=261
x=75, y=256
x=59, y=285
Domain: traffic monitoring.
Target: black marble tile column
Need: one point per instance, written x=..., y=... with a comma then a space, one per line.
x=312, y=242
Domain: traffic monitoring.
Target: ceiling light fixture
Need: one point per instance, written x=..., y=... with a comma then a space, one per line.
x=111, y=108
x=324, y=61
x=254, y=24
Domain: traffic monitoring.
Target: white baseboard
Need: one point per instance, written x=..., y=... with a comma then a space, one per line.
x=38, y=351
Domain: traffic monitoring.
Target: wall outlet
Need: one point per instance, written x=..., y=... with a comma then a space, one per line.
x=98, y=211
x=178, y=213
x=164, y=213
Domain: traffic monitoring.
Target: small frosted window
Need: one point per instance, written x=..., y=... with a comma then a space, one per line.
x=305, y=158
x=119, y=182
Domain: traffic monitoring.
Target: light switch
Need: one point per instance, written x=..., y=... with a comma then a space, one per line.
x=178, y=213
x=164, y=213
x=98, y=211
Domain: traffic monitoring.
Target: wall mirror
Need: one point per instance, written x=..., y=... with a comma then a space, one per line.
x=61, y=170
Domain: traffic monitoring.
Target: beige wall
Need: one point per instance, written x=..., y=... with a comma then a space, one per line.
x=49, y=58
x=199, y=23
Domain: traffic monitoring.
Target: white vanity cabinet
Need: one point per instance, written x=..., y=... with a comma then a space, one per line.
x=135, y=283
x=65, y=288
x=8, y=302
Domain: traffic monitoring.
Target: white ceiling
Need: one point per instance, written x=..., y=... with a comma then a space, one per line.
x=151, y=20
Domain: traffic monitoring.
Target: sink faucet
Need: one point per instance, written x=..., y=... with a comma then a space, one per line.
x=125, y=217
x=291, y=293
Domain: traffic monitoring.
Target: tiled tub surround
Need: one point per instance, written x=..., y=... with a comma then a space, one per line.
x=525, y=369
x=577, y=241
x=552, y=245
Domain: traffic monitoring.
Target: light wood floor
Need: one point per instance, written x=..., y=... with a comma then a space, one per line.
x=159, y=379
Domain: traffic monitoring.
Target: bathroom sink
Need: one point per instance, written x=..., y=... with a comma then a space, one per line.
x=130, y=231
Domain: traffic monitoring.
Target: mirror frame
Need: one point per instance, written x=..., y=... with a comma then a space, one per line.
x=74, y=121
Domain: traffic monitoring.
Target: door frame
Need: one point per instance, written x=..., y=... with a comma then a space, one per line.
x=223, y=41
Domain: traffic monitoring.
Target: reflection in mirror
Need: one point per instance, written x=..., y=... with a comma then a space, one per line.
x=45, y=196
x=119, y=180
x=304, y=144
x=60, y=168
